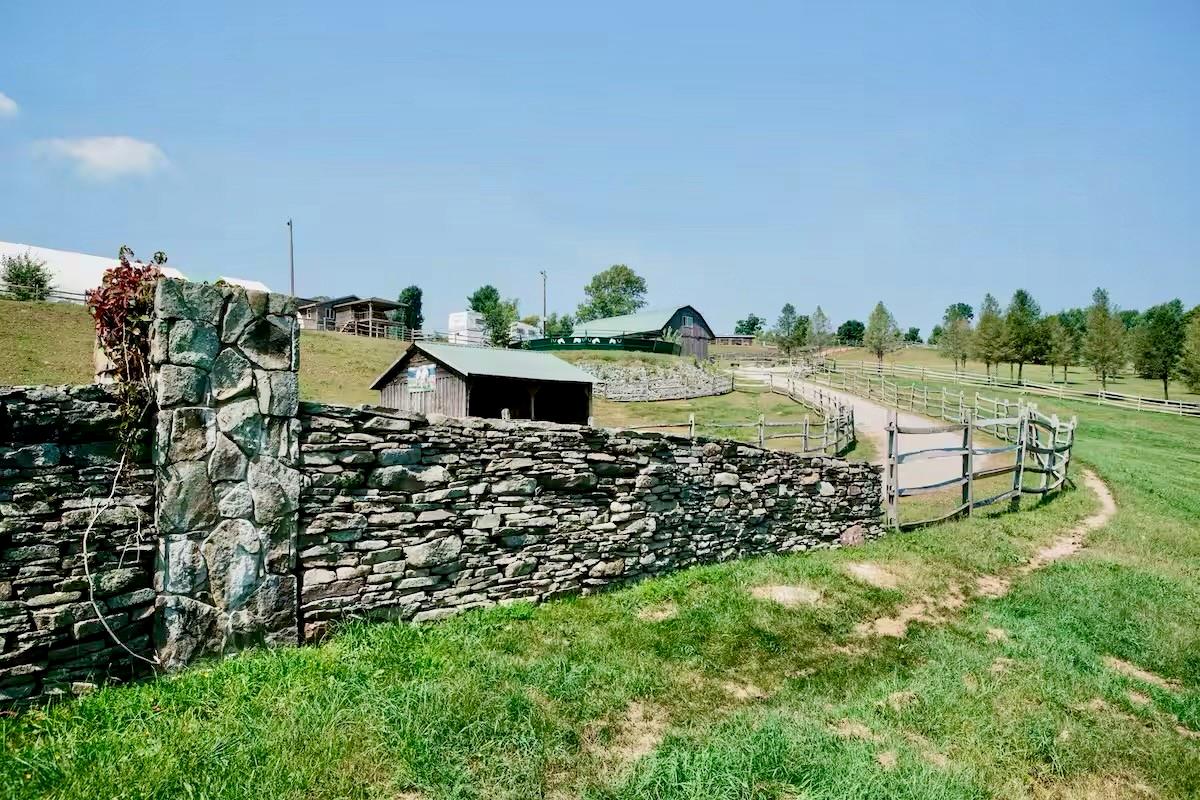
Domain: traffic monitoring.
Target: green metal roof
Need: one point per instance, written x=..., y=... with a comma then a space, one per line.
x=492, y=362
x=641, y=322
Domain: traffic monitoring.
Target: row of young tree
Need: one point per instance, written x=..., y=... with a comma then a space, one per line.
x=1161, y=343
x=792, y=331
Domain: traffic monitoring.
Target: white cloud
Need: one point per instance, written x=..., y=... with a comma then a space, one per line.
x=105, y=157
x=8, y=106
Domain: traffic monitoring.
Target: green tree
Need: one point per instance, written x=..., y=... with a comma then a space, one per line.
x=820, y=331
x=1062, y=345
x=752, y=325
x=559, y=325
x=1189, y=361
x=1022, y=332
x=935, y=334
x=483, y=298
x=955, y=342
x=615, y=291
x=913, y=335
x=959, y=311
x=24, y=277
x=989, y=343
x=791, y=329
x=850, y=333
x=1129, y=318
x=882, y=335
x=1158, y=342
x=412, y=315
x=1104, y=342
x=498, y=320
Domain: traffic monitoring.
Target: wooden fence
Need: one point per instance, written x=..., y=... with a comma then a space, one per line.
x=925, y=374
x=832, y=433
x=1040, y=446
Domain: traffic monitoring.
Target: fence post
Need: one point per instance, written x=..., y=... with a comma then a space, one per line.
x=968, y=489
x=804, y=440
x=1019, y=472
x=692, y=426
x=761, y=430
x=890, y=488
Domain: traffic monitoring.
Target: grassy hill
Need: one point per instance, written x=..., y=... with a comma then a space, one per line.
x=1078, y=378
x=1082, y=681
x=51, y=343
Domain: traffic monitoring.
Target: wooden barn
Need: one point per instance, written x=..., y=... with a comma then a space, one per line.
x=460, y=381
x=694, y=333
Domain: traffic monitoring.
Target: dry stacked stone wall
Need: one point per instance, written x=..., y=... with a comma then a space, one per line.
x=257, y=520
x=675, y=379
x=226, y=450
x=58, y=461
x=405, y=517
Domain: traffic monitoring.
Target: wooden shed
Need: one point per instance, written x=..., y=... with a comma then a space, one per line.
x=460, y=381
x=686, y=322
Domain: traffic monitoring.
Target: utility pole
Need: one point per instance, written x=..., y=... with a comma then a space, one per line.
x=543, y=304
x=291, y=258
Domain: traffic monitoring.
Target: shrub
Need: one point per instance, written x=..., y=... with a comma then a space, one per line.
x=123, y=309
x=25, y=278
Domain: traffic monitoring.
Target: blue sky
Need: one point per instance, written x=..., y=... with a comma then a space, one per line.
x=737, y=156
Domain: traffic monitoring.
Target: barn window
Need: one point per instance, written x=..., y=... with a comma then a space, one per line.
x=687, y=321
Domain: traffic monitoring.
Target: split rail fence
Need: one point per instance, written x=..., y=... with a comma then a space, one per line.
x=831, y=433
x=1102, y=397
x=1039, y=445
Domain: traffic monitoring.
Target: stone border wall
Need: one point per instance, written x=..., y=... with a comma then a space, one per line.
x=625, y=383
x=410, y=518
x=57, y=464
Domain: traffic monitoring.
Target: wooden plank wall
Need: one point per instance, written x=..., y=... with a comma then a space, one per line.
x=448, y=397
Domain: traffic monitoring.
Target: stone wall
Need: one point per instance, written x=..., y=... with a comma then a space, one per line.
x=408, y=518
x=261, y=521
x=678, y=379
x=225, y=368
x=57, y=465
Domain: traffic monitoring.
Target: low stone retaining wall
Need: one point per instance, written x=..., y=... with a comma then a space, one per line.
x=264, y=520
x=408, y=518
x=57, y=464
x=647, y=382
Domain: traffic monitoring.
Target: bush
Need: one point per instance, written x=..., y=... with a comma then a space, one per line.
x=25, y=278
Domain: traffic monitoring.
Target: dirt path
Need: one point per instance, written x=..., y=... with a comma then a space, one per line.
x=938, y=609
x=870, y=420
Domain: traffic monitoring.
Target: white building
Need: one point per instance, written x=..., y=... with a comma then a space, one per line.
x=72, y=274
x=465, y=327
x=523, y=332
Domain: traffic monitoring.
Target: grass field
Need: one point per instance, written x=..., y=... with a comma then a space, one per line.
x=742, y=406
x=1077, y=377
x=692, y=687
x=51, y=343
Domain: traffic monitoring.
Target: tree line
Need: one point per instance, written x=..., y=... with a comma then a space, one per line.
x=612, y=292
x=1161, y=343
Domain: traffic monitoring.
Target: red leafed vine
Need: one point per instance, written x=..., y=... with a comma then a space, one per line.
x=123, y=310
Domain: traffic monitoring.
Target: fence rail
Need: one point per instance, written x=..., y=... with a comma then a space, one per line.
x=925, y=374
x=1040, y=446
x=832, y=433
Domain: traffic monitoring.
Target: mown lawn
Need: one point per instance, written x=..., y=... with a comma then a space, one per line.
x=51, y=343
x=714, y=414
x=690, y=687
x=1080, y=378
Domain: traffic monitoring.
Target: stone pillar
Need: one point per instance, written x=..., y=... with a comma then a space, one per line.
x=226, y=450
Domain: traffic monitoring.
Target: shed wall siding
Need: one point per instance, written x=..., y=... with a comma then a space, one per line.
x=449, y=395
